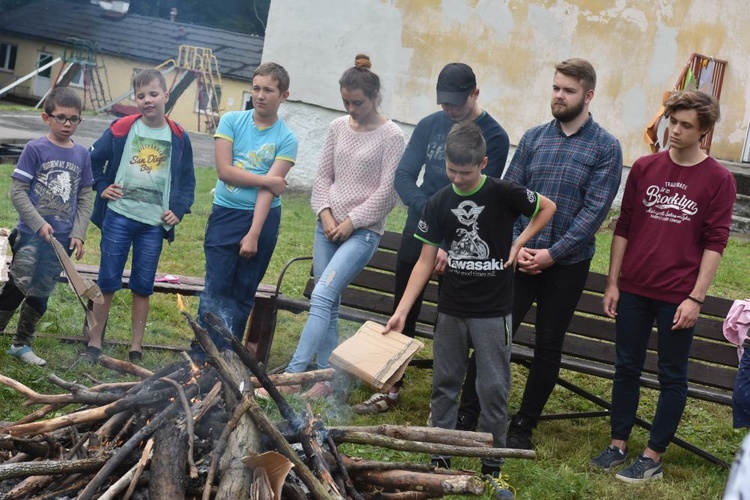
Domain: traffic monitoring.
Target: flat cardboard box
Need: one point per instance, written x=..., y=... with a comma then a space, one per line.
x=378, y=360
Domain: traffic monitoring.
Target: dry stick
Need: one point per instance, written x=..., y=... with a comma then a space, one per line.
x=124, y=367
x=425, y=434
x=122, y=430
x=208, y=402
x=357, y=464
x=316, y=488
x=437, y=486
x=260, y=373
x=342, y=469
x=188, y=424
x=73, y=387
x=92, y=414
x=309, y=444
x=34, y=483
x=130, y=478
x=70, y=488
x=433, y=448
x=18, y=457
x=47, y=467
x=401, y=495
x=41, y=412
x=315, y=453
x=139, y=468
x=296, y=378
x=242, y=407
x=129, y=446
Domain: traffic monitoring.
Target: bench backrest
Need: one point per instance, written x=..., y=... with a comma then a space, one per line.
x=589, y=345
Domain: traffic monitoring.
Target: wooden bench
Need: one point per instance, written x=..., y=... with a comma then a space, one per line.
x=588, y=348
x=193, y=286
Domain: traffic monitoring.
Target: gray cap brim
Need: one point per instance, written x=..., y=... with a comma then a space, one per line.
x=454, y=98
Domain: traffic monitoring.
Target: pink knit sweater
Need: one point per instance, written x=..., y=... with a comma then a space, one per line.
x=355, y=174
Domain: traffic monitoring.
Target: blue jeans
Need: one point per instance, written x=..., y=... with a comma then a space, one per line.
x=232, y=280
x=335, y=265
x=741, y=394
x=635, y=319
x=118, y=234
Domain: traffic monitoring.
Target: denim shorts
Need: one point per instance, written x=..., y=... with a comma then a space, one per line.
x=118, y=234
x=741, y=396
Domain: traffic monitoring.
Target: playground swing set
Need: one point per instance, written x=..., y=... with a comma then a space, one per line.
x=193, y=65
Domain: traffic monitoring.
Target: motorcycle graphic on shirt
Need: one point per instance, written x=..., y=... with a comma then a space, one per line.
x=468, y=244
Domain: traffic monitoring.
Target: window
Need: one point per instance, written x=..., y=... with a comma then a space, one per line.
x=77, y=78
x=8, y=56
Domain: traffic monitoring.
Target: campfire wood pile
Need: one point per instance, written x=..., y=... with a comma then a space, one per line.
x=198, y=432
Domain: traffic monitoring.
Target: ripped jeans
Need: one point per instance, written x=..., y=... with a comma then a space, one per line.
x=335, y=265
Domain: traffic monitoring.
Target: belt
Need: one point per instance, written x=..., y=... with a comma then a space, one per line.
x=746, y=343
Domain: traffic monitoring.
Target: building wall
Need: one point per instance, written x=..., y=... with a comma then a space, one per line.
x=119, y=75
x=637, y=46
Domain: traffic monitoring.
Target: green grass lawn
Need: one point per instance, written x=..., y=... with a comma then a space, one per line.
x=563, y=447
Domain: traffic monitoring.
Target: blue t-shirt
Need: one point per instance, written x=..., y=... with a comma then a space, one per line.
x=254, y=150
x=56, y=176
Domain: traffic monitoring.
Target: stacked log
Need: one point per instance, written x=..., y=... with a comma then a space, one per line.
x=198, y=432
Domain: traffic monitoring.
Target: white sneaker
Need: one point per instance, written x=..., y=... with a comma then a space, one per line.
x=25, y=354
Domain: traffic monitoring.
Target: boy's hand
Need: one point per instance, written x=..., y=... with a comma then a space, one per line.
x=276, y=184
x=46, y=232
x=686, y=315
x=441, y=261
x=396, y=323
x=249, y=245
x=511, y=260
x=76, y=245
x=112, y=192
x=170, y=218
x=342, y=232
x=610, y=300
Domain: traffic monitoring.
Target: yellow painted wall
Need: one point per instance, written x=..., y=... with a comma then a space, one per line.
x=638, y=48
x=119, y=74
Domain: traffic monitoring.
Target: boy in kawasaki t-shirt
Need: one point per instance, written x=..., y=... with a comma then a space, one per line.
x=474, y=216
x=145, y=184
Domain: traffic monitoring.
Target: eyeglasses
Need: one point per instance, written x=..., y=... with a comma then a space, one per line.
x=74, y=120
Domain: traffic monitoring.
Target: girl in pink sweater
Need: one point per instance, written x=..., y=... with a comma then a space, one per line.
x=352, y=195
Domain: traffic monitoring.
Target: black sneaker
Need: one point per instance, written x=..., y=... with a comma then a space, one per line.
x=642, y=470
x=466, y=422
x=497, y=484
x=519, y=434
x=609, y=458
x=441, y=462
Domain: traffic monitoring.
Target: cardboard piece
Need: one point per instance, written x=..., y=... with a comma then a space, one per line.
x=277, y=467
x=376, y=359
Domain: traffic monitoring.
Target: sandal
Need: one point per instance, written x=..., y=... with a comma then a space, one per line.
x=91, y=354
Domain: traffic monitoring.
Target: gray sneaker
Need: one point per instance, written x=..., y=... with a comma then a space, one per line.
x=642, y=470
x=609, y=458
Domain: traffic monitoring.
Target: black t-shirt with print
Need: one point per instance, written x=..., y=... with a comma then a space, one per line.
x=478, y=229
